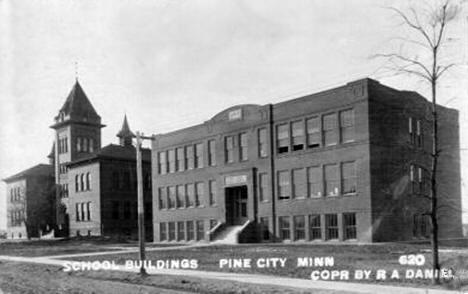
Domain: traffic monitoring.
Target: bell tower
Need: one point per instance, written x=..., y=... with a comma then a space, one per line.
x=77, y=135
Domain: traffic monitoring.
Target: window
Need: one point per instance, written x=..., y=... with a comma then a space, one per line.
x=262, y=187
x=171, y=160
x=78, y=144
x=162, y=197
x=411, y=132
x=299, y=227
x=189, y=160
x=200, y=230
x=199, y=192
x=331, y=226
x=162, y=232
x=314, y=227
x=282, y=138
x=414, y=180
x=180, y=231
x=190, y=195
x=284, y=228
x=88, y=181
x=162, y=163
x=212, y=191
x=265, y=228
x=331, y=180
x=88, y=210
x=127, y=209
x=314, y=181
x=283, y=185
x=347, y=125
x=63, y=168
x=349, y=226
x=77, y=212
x=180, y=196
x=83, y=211
x=211, y=152
x=172, y=197
x=82, y=182
x=244, y=147
x=262, y=143
x=297, y=135
x=348, y=173
x=84, y=147
x=172, y=232
x=77, y=183
x=91, y=145
x=190, y=231
x=419, y=135
x=180, y=159
x=229, y=149
x=299, y=183
x=330, y=132
x=199, y=155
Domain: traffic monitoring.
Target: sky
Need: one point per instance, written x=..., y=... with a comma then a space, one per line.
x=170, y=64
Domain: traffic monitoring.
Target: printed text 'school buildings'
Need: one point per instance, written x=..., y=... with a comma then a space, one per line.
x=350, y=163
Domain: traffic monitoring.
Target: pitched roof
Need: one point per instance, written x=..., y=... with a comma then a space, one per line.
x=113, y=151
x=125, y=130
x=52, y=151
x=78, y=104
x=37, y=170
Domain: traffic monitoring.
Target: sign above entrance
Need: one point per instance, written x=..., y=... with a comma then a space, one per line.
x=235, y=180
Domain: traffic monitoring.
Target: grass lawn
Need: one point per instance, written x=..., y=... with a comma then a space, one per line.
x=44, y=279
x=36, y=248
x=346, y=257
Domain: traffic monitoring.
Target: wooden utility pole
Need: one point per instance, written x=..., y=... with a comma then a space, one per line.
x=141, y=207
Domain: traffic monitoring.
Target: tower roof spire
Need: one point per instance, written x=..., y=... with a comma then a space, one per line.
x=125, y=134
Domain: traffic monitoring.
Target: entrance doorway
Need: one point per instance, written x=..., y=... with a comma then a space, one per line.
x=236, y=205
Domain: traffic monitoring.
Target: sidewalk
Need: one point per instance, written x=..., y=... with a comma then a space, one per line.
x=257, y=279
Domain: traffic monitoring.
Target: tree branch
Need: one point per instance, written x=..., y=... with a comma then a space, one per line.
x=442, y=69
x=406, y=59
x=412, y=25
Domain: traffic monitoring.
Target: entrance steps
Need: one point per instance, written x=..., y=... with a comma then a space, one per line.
x=229, y=235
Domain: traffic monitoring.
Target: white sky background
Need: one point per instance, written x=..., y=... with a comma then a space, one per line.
x=172, y=63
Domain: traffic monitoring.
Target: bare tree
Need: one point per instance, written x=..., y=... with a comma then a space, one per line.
x=429, y=28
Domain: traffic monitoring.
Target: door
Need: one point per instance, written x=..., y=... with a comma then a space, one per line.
x=236, y=205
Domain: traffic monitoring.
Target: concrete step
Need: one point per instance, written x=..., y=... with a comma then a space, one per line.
x=229, y=235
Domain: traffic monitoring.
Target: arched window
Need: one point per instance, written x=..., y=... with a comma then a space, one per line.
x=88, y=181
x=83, y=211
x=91, y=145
x=88, y=210
x=78, y=144
x=115, y=180
x=82, y=186
x=77, y=183
x=85, y=145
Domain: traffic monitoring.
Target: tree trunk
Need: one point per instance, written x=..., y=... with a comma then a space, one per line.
x=435, y=155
